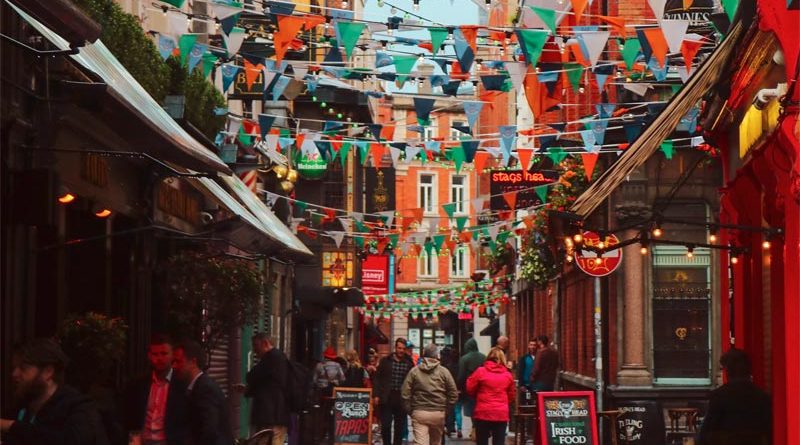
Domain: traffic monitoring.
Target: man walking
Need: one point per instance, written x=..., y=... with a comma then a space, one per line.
x=155, y=404
x=545, y=366
x=266, y=385
x=389, y=378
x=209, y=423
x=428, y=392
x=50, y=412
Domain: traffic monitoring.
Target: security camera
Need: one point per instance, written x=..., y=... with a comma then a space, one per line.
x=206, y=218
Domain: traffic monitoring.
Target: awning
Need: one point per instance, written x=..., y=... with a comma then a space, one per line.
x=650, y=140
x=178, y=146
x=274, y=226
x=217, y=192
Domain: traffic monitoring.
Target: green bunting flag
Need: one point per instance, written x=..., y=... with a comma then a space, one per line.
x=350, y=33
x=541, y=192
x=359, y=241
x=343, y=153
x=176, y=3
x=393, y=239
x=438, y=36
x=449, y=208
x=730, y=7
x=630, y=51
x=208, y=63
x=532, y=42
x=316, y=218
x=360, y=226
x=668, y=149
x=363, y=151
x=574, y=73
x=502, y=237
x=403, y=65
x=429, y=248
x=461, y=222
x=245, y=138
x=186, y=43
x=548, y=16
x=556, y=154
x=438, y=240
x=301, y=206
x=458, y=157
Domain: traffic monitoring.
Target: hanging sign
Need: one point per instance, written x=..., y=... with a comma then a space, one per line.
x=375, y=275
x=352, y=414
x=312, y=167
x=567, y=418
x=590, y=262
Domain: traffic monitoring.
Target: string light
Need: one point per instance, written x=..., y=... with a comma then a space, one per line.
x=164, y=10
x=712, y=237
x=345, y=4
x=569, y=258
x=734, y=259
x=690, y=252
x=415, y=5
x=488, y=4
x=766, y=244
x=578, y=238
x=643, y=249
x=657, y=232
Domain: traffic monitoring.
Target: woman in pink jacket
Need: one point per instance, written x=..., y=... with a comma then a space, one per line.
x=492, y=385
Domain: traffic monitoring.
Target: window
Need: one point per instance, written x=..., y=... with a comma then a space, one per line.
x=427, y=193
x=429, y=132
x=459, y=263
x=428, y=266
x=681, y=302
x=458, y=193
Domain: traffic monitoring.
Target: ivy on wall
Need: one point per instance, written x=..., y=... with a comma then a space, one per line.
x=125, y=38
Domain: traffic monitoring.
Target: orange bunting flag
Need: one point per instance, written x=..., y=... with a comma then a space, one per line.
x=511, y=199
x=689, y=49
x=417, y=215
x=589, y=161
x=655, y=37
x=465, y=236
x=377, y=151
x=387, y=132
x=618, y=23
x=575, y=50
x=525, y=155
x=288, y=27
x=251, y=72
x=480, y=161
x=470, y=35
x=311, y=21
x=578, y=6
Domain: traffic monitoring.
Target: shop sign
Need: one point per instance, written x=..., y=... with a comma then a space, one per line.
x=504, y=181
x=375, y=275
x=567, y=418
x=352, y=416
x=696, y=11
x=240, y=87
x=312, y=167
x=587, y=260
x=94, y=169
x=175, y=202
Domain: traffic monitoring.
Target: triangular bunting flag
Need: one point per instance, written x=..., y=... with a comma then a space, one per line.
x=548, y=17
x=593, y=43
x=473, y=111
x=511, y=199
x=348, y=35
x=630, y=51
x=667, y=148
x=589, y=161
x=658, y=44
x=674, y=32
x=578, y=6
x=438, y=36
x=532, y=42
x=541, y=193
x=480, y=161
x=525, y=155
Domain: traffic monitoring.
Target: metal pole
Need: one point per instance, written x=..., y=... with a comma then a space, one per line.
x=598, y=351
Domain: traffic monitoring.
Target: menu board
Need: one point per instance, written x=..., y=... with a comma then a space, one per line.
x=352, y=414
x=641, y=423
x=567, y=418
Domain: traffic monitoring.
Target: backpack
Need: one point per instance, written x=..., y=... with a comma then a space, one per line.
x=298, y=386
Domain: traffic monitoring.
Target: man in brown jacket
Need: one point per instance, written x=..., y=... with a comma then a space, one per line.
x=545, y=366
x=428, y=391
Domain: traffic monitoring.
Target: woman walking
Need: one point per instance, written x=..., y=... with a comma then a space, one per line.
x=492, y=386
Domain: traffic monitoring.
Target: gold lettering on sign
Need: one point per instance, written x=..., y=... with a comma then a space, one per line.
x=179, y=204
x=94, y=169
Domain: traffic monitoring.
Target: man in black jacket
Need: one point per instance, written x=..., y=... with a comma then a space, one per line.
x=739, y=412
x=209, y=422
x=50, y=413
x=155, y=404
x=389, y=377
x=266, y=385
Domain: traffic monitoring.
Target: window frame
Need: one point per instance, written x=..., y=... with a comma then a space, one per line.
x=434, y=207
x=427, y=260
x=463, y=204
x=464, y=252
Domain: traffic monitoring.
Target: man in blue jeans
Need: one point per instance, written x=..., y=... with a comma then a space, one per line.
x=389, y=377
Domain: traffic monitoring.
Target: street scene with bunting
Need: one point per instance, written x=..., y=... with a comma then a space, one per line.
x=391, y=222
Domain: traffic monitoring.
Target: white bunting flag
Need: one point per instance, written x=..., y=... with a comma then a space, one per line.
x=674, y=33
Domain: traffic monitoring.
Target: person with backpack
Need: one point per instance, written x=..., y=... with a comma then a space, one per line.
x=328, y=373
x=355, y=376
x=267, y=384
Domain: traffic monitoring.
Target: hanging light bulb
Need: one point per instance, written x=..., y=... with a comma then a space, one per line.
x=712, y=237
x=581, y=90
x=766, y=244
x=690, y=252
x=488, y=4
x=735, y=259
x=578, y=238
x=657, y=232
x=643, y=249
x=601, y=245
x=189, y=21
x=415, y=5
x=164, y=10
x=569, y=258
x=345, y=4
x=380, y=3
x=389, y=31
x=393, y=10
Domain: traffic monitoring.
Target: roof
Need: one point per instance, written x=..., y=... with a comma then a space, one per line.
x=121, y=86
x=650, y=140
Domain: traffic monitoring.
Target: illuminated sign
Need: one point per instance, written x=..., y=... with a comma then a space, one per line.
x=337, y=269
x=523, y=182
x=375, y=275
x=312, y=167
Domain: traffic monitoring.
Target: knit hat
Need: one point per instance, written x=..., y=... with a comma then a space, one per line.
x=329, y=353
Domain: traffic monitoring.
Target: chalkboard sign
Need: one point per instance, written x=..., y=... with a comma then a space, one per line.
x=641, y=423
x=567, y=418
x=352, y=414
